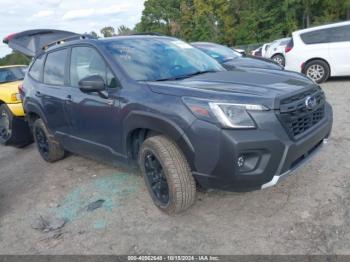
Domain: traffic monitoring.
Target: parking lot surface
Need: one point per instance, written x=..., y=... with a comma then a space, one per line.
x=308, y=213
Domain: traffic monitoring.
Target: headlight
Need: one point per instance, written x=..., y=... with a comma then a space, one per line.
x=229, y=115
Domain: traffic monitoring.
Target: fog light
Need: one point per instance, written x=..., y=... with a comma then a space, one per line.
x=240, y=161
x=247, y=161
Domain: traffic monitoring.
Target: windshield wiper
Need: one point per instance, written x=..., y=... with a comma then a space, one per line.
x=186, y=76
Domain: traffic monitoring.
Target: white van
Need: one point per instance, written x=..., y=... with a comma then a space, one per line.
x=320, y=52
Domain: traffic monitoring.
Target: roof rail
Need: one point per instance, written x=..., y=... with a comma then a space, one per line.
x=67, y=39
x=149, y=33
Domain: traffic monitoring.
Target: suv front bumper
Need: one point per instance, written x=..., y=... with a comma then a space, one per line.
x=278, y=178
x=270, y=153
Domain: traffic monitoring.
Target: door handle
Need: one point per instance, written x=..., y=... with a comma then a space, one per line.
x=38, y=94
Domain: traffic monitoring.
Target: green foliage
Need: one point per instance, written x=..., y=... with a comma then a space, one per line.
x=107, y=31
x=93, y=33
x=237, y=22
x=14, y=58
x=124, y=30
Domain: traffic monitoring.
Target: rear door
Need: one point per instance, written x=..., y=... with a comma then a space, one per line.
x=339, y=49
x=31, y=42
x=53, y=91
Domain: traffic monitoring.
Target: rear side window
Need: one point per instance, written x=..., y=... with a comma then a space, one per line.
x=86, y=61
x=284, y=42
x=340, y=34
x=316, y=37
x=54, y=67
x=35, y=70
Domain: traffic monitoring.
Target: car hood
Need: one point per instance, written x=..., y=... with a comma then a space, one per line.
x=10, y=86
x=251, y=62
x=266, y=86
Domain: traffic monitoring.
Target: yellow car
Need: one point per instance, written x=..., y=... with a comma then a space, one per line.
x=13, y=128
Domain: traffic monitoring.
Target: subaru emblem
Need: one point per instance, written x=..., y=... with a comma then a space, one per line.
x=310, y=102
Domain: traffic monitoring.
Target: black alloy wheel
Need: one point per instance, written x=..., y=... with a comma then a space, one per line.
x=42, y=142
x=156, y=178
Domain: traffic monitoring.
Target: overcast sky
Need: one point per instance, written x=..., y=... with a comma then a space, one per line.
x=73, y=15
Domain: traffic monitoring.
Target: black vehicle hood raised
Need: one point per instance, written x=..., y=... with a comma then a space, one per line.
x=262, y=85
x=251, y=62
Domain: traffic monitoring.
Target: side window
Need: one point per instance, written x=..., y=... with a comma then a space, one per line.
x=35, y=70
x=316, y=37
x=340, y=34
x=86, y=61
x=54, y=67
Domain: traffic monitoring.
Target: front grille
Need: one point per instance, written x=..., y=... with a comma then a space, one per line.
x=296, y=117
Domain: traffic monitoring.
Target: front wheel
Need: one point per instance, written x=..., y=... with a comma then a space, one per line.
x=317, y=70
x=48, y=146
x=167, y=174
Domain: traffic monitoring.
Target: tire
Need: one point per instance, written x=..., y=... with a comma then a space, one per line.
x=48, y=146
x=279, y=59
x=317, y=70
x=174, y=175
x=13, y=130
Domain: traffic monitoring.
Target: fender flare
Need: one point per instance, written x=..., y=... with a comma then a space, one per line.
x=154, y=122
x=31, y=107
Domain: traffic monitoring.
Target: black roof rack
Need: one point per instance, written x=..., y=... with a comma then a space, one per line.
x=67, y=39
x=149, y=33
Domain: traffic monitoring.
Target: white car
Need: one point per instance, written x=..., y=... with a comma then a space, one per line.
x=320, y=52
x=275, y=50
x=264, y=49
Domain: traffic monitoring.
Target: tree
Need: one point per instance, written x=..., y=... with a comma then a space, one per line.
x=107, y=31
x=124, y=30
x=94, y=34
x=237, y=22
x=161, y=17
x=15, y=58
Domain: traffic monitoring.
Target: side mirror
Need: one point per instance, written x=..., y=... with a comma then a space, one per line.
x=93, y=83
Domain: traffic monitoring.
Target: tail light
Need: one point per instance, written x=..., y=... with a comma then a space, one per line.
x=289, y=46
x=8, y=38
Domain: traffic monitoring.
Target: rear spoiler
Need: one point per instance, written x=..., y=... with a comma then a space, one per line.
x=33, y=42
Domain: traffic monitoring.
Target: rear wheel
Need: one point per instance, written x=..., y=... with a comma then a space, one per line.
x=167, y=174
x=13, y=130
x=48, y=146
x=317, y=70
x=279, y=59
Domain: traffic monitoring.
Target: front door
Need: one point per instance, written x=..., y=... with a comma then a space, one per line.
x=94, y=117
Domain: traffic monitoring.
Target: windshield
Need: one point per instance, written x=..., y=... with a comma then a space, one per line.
x=152, y=59
x=218, y=52
x=11, y=74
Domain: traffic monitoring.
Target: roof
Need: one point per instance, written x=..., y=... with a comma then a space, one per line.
x=136, y=36
x=310, y=29
x=105, y=40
